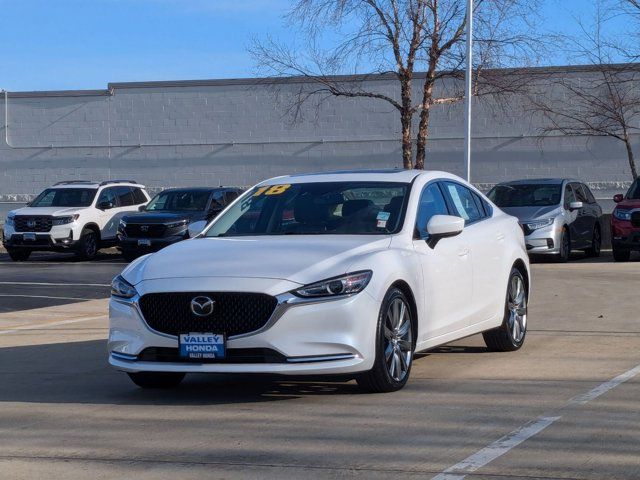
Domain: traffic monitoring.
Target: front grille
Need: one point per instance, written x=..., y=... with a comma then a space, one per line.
x=145, y=231
x=635, y=219
x=234, y=313
x=26, y=223
x=234, y=355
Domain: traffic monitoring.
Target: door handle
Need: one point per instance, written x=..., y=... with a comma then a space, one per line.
x=463, y=253
x=500, y=237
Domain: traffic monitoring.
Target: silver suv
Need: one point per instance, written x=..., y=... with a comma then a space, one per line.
x=76, y=216
x=557, y=215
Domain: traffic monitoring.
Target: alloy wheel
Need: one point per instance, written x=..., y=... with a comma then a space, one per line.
x=398, y=348
x=517, y=305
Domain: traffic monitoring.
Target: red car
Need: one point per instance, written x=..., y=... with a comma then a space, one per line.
x=625, y=223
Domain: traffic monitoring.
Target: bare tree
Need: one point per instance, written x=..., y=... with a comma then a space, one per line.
x=400, y=38
x=602, y=101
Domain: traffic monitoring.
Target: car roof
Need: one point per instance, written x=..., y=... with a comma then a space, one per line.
x=91, y=184
x=395, y=175
x=196, y=189
x=549, y=181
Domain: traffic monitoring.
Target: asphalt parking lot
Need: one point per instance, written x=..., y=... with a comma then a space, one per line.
x=565, y=406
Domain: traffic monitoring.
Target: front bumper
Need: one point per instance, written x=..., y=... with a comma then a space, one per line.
x=59, y=238
x=133, y=244
x=544, y=241
x=323, y=337
x=624, y=235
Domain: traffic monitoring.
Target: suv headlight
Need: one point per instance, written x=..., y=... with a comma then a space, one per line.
x=344, y=285
x=11, y=220
x=622, y=214
x=538, y=224
x=121, y=288
x=181, y=223
x=64, y=220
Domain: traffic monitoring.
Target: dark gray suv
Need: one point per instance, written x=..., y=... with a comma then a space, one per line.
x=557, y=215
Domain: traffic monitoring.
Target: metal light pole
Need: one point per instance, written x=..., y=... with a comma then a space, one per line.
x=468, y=81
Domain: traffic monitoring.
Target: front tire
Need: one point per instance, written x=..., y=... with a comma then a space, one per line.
x=156, y=380
x=394, y=346
x=511, y=334
x=87, y=248
x=621, y=254
x=596, y=243
x=565, y=247
x=19, y=255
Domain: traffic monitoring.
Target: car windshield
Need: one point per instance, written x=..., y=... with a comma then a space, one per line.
x=634, y=191
x=179, y=201
x=526, y=195
x=340, y=208
x=65, y=197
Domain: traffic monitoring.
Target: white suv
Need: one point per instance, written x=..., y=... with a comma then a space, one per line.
x=76, y=216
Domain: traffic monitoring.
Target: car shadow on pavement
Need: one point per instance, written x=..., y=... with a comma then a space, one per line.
x=78, y=373
x=579, y=257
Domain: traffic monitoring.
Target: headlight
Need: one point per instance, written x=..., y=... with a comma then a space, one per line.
x=121, y=288
x=621, y=214
x=10, y=220
x=65, y=220
x=182, y=223
x=539, y=224
x=344, y=285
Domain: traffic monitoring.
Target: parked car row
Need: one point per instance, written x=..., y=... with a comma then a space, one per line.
x=83, y=217
x=557, y=216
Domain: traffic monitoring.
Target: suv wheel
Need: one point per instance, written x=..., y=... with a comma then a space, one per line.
x=394, y=346
x=156, y=379
x=19, y=255
x=510, y=335
x=596, y=243
x=87, y=248
x=621, y=254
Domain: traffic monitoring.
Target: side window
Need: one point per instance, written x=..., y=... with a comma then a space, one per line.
x=464, y=203
x=431, y=203
x=483, y=207
x=108, y=195
x=217, y=200
x=580, y=195
x=568, y=195
x=138, y=196
x=230, y=196
x=125, y=196
x=588, y=194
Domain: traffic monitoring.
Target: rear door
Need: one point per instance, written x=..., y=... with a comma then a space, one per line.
x=446, y=269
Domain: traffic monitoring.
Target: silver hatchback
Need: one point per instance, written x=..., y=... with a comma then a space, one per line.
x=557, y=215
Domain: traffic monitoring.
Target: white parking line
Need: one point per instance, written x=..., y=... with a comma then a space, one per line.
x=504, y=444
x=57, y=284
x=44, y=296
x=52, y=324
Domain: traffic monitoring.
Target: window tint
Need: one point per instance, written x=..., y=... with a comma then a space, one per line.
x=634, y=190
x=587, y=191
x=125, y=196
x=431, y=203
x=525, y=195
x=230, y=196
x=138, y=196
x=464, y=203
x=580, y=195
x=217, y=200
x=65, y=197
x=108, y=195
x=568, y=196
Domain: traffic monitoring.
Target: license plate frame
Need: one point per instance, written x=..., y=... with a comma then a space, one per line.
x=29, y=237
x=202, y=346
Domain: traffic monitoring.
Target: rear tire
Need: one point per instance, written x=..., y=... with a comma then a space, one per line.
x=394, y=346
x=159, y=380
x=19, y=255
x=511, y=334
x=596, y=242
x=621, y=254
x=565, y=247
x=87, y=247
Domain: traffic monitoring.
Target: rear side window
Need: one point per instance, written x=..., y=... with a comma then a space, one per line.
x=125, y=196
x=108, y=195
x=138, y=196
x=431, y=203
x=464, y=203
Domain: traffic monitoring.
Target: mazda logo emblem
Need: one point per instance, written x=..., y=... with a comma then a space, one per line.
x=202, y=306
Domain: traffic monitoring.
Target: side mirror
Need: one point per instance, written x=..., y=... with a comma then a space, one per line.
x=142, y=208
x=195, y=228
x=105, y=205
x=618, y=197
x=575, y=206
x=443, y=226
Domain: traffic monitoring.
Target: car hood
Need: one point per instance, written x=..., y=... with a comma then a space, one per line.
x=55, y=211
x=628, y=204
x=162, y=217
x=300, y=259
x=531, y=213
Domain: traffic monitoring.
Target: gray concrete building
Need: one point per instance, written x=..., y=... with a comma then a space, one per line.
x=237, y=132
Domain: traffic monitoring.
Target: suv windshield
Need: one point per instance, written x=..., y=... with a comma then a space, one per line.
x=179, y=201
x=65, y=197
x=340, y=208
x=526, y=195
x=634, y=191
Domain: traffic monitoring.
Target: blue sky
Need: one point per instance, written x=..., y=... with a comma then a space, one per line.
x=68, y=44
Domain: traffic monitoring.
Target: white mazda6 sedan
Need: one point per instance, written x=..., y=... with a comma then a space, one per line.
x=346, y=273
